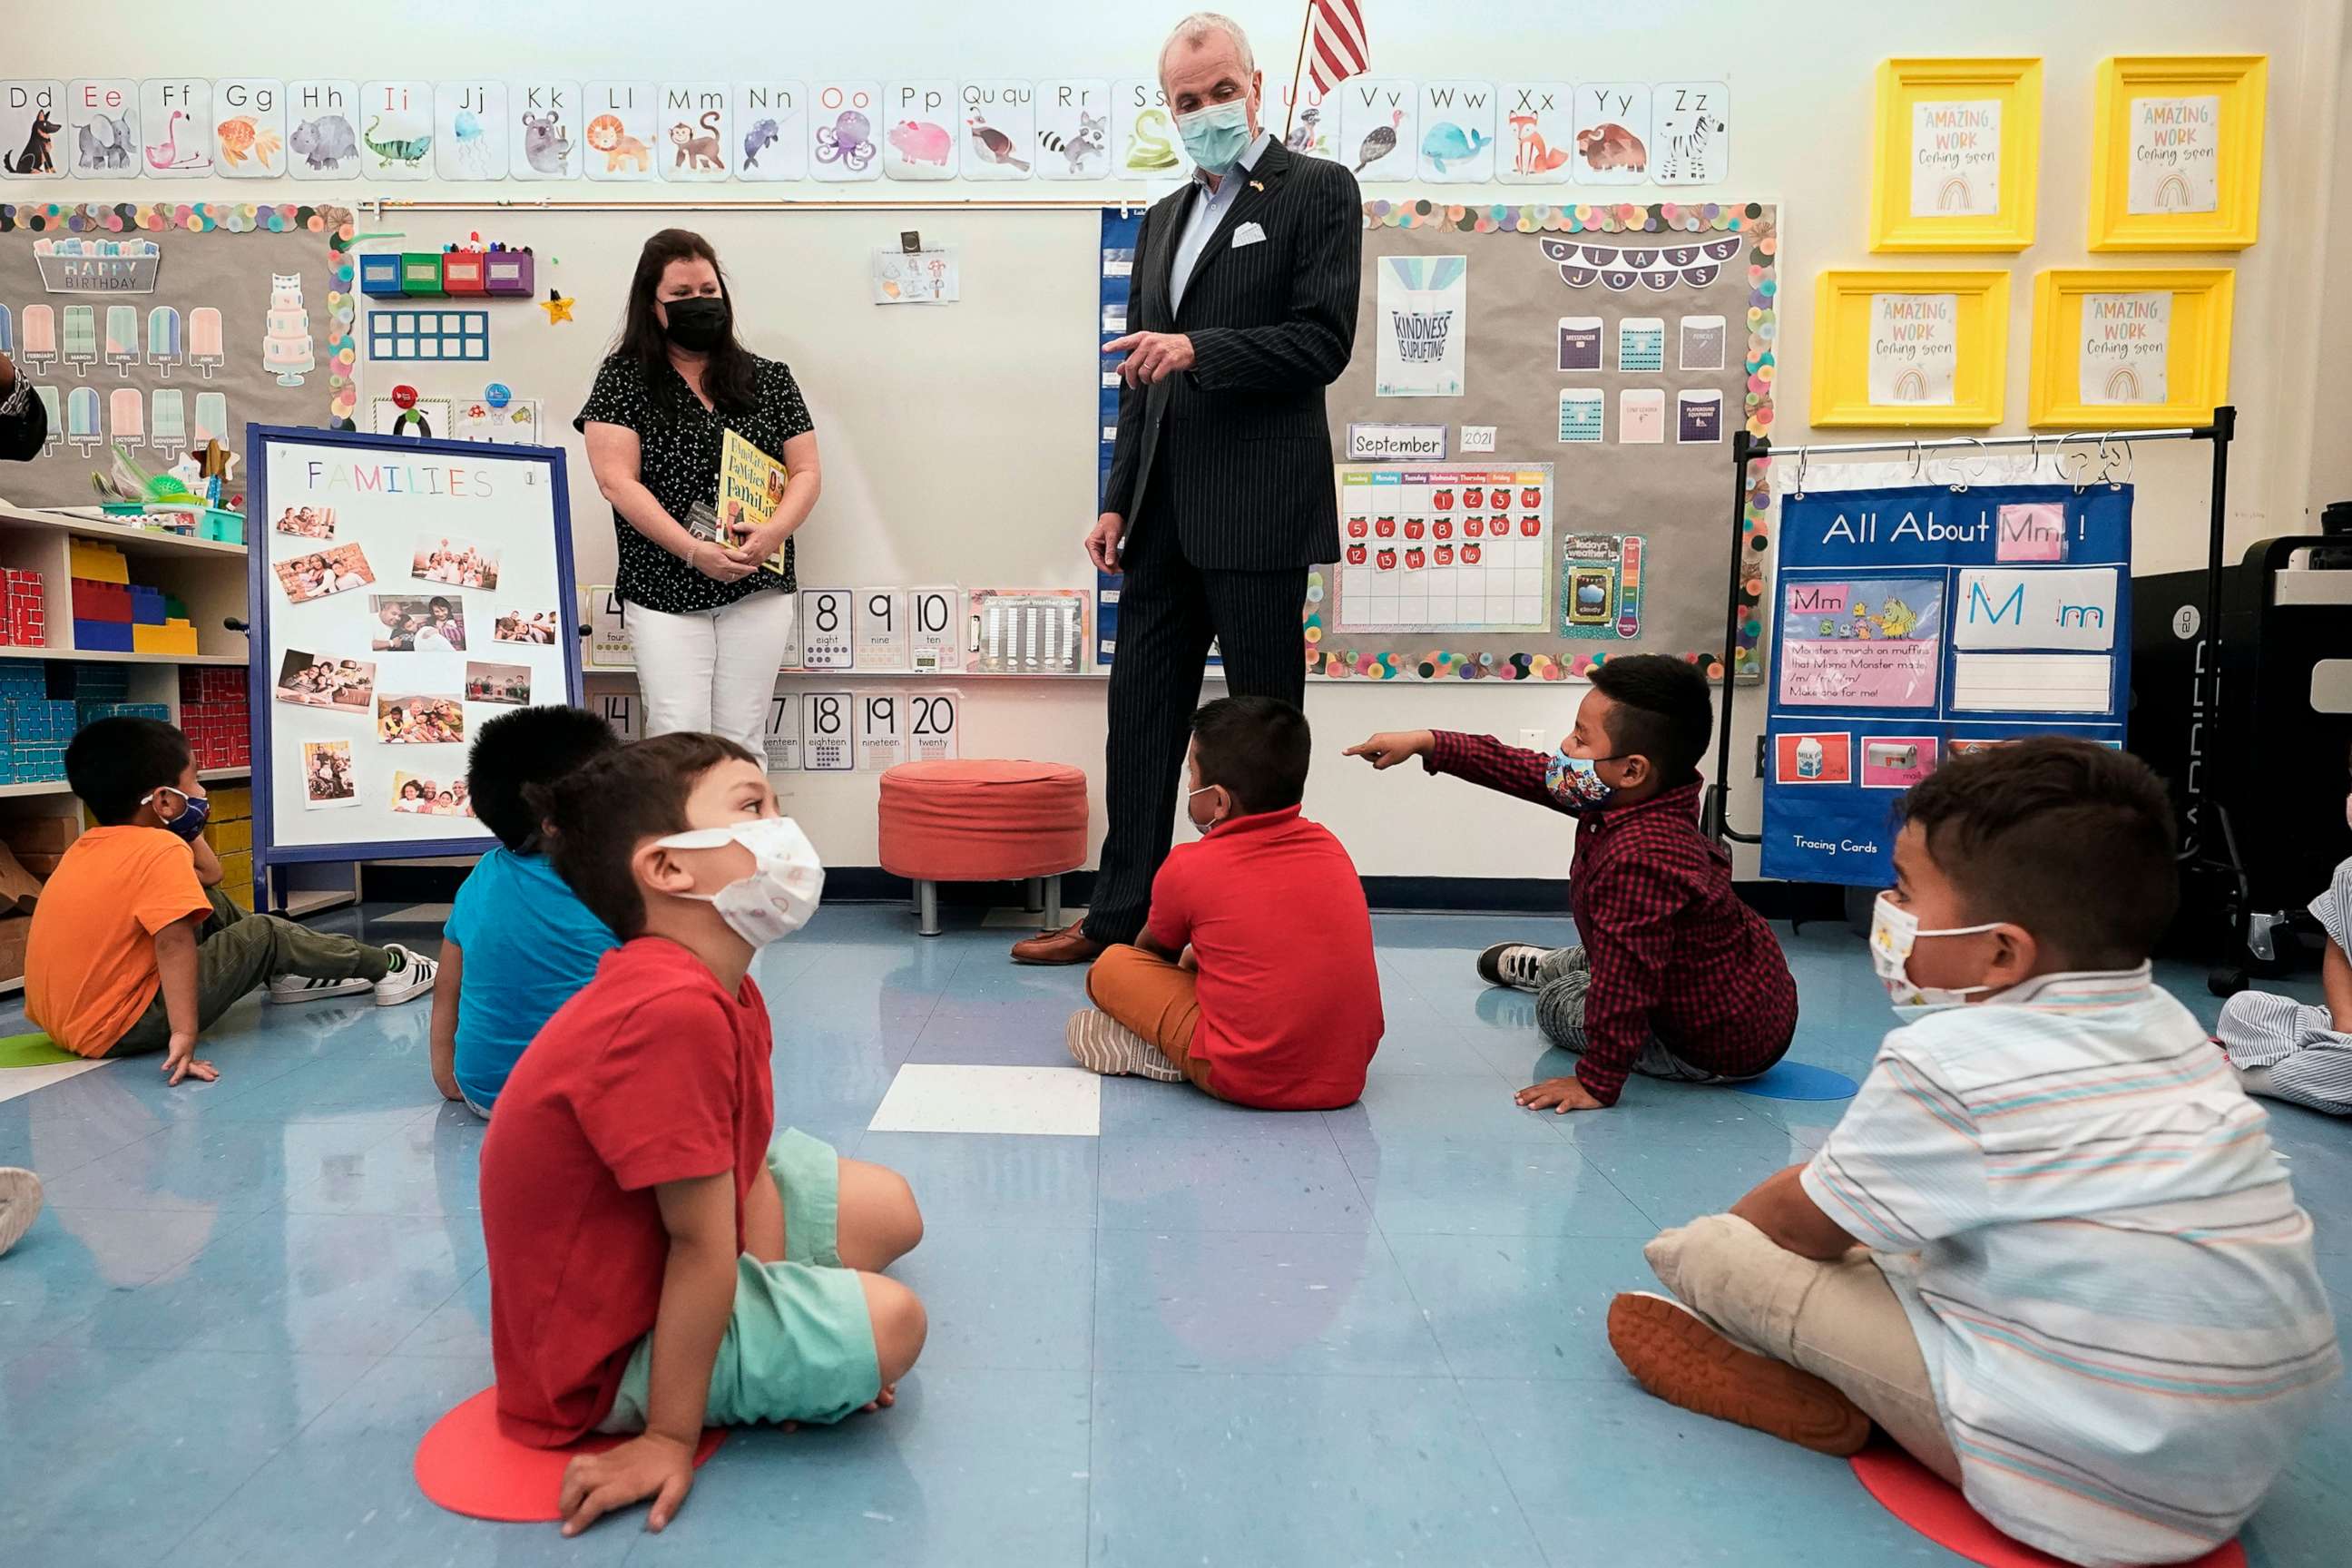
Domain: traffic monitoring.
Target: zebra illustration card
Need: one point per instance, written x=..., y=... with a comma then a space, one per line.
x=1693, y=125
x=1073, y=139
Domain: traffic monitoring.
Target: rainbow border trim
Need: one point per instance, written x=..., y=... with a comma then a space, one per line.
x=1760, y=221
x=230, y=217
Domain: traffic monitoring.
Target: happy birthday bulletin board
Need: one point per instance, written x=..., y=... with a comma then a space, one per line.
x=162, y=325
x=1531, y=438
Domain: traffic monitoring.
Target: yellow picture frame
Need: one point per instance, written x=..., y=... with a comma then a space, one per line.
x=2195, y=344
x=1933, y=120
x=1846, y=317
x=2136, y=155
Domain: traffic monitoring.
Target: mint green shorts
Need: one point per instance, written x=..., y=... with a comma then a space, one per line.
x=800, y=1342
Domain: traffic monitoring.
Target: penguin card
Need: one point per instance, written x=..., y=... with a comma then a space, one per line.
x=549, y=132
x=250, y=132
x=1612, y=134
x=624, y=126
x=1143, y=132
x=698, y=140
x=1379, y=132
x=770, y=125
x=1693, y=132
x=1073, y=137
x=34, y=144
x=844, y=131
x=1457, y=132
x=921, y=131
x=999, y=128
x=469, y=130
x=1538, y=133
x=395, y=126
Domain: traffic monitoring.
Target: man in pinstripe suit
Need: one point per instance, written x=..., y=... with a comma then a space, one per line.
x=1220, y=495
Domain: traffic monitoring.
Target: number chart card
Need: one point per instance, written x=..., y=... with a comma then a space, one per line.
x=405, y=593
x=1913, y=623
x=868, y=732
x=1433, y=548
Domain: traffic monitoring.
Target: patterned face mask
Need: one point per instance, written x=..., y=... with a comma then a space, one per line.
x=1576, y=782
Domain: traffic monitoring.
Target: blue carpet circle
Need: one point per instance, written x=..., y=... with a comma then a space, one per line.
x=1795, y=1080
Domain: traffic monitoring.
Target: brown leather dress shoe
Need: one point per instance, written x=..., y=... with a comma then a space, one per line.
x=1069, y=945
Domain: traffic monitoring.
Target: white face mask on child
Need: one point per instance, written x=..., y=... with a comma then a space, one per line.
x=1894, y=931
x=786, y=881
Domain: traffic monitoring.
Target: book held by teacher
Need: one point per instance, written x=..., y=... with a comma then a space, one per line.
x=751, y=487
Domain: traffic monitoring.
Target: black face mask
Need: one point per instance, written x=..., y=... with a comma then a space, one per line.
x=699, y=324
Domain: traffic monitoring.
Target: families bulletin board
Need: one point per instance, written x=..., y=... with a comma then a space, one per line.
x=158, y=327
x=1531, y=437
x=1914, y=621
x=405, y=593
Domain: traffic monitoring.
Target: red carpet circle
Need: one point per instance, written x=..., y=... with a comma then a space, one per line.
x=1934, y=1507
x=468, y=1467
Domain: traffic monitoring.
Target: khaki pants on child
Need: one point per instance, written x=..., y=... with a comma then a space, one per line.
x=1841, y=1321
x=236, y=952
x=1156, y=1000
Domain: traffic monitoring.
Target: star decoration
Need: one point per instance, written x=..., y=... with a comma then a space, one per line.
x=558, y=307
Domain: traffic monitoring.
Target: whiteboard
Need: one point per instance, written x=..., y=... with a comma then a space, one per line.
x=395, y=524
x=955, y=439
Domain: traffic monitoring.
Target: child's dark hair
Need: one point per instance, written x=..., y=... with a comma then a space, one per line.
x=1664, y=710
x=114, y=764
x=1257, y=748
x=528, y=746
x=602, y=809
x=2071, y=839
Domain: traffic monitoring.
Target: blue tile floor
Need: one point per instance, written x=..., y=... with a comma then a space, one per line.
x=1203, y=1335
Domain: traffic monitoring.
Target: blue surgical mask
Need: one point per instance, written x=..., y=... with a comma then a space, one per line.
x=1576, y=782
x=1217, y=136
x=194, y=811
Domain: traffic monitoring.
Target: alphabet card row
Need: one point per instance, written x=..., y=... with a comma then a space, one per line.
x=861, y=732
x=848, y=129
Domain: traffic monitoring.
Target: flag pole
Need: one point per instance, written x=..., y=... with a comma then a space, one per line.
x=1306, y=25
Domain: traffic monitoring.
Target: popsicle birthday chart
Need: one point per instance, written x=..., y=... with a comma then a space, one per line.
x=1912, y=623
x=155, y=329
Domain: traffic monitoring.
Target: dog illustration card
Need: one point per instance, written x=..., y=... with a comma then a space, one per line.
x=34, y=144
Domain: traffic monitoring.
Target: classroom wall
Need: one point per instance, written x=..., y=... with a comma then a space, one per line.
x=1801, y=77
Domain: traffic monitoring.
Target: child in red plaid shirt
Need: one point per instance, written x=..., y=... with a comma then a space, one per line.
x=1676, y=978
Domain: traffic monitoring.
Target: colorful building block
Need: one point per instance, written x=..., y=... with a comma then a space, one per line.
x=97, y=561
x=103, y=636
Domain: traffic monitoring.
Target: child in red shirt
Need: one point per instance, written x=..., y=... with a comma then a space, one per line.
x=1219, y=990
x=657, y=1263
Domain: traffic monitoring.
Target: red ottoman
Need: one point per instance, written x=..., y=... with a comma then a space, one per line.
x=982, y=821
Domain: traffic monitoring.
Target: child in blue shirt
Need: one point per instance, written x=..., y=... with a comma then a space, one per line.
x=518, y=943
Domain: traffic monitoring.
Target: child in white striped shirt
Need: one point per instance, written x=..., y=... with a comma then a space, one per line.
x=2049, y=1249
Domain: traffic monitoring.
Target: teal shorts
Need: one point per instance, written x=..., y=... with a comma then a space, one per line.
x=800, y=1342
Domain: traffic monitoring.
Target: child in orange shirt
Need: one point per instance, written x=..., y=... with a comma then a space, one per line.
x=133, y=946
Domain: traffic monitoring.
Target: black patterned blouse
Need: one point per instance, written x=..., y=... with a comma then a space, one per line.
x=679, y=442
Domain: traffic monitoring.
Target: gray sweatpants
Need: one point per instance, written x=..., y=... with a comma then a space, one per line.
x=1562, y=982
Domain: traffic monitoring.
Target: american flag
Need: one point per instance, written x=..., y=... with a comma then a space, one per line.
x=1337, y=48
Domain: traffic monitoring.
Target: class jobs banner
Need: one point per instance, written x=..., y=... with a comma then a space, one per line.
x=1921, y=622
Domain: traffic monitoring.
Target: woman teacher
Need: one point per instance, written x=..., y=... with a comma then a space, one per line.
x=709, y=621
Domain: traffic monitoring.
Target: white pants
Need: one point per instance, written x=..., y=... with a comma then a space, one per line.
x=712, y=670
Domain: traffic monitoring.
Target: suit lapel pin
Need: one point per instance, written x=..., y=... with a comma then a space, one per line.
x=1258, y=185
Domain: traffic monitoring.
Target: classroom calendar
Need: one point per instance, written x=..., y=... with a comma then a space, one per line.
x=1438, y=547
